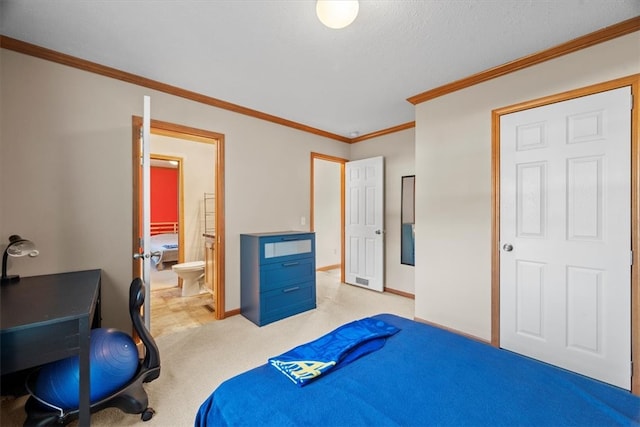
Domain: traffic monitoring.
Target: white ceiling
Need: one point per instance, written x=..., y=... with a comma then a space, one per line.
x=276, y=57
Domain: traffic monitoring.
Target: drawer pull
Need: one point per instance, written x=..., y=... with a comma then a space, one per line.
x=295, y=288
x=289, y=264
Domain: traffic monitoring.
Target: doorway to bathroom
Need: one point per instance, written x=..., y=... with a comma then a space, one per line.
x=196, y=189
x=171, y=309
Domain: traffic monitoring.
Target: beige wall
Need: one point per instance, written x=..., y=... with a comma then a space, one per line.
x=453, y=179
x=65, y=172
x=65, y=175
x=398, y=152
x=326, y=218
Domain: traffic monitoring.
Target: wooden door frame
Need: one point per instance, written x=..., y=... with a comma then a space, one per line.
x=632, y=81
x=342, y=163
x=197, y=135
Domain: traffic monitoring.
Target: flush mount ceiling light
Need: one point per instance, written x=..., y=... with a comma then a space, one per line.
x=337, y=14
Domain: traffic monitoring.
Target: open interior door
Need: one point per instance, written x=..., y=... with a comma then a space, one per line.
x=143, y=256
x=364, y=223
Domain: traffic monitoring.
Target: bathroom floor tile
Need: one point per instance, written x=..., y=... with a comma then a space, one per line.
x=171, y=312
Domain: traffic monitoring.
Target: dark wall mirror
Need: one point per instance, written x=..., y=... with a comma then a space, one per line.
x=407, y=215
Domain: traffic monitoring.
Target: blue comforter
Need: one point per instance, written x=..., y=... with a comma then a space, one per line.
x=423, y=376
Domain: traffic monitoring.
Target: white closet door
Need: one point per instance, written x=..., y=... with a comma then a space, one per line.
x=565, y=228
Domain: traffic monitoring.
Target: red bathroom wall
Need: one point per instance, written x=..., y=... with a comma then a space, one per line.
x=164, y=194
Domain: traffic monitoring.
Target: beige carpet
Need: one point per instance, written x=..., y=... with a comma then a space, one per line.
x=197, y=360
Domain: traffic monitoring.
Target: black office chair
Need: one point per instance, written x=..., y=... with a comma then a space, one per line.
x=131, y=398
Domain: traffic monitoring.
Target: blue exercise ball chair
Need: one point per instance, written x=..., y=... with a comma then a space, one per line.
x=117, y=374
x=113, y=360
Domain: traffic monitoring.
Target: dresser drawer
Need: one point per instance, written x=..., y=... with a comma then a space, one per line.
x=287, y=301
x=283, y=274
x=287, y=247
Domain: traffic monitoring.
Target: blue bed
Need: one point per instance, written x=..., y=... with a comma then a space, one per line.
x=422, y=376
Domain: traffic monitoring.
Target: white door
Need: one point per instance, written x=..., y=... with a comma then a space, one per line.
x=364, y=223
x=565, y=236
x=145, y=180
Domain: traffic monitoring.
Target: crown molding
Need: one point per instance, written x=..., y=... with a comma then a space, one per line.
x=92, y=67
x=608, y=33
x=381, y=132
x=617, y=30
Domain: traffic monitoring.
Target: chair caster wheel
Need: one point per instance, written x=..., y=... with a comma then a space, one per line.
x=147, y=414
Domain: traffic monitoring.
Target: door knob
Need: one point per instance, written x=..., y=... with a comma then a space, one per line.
x=507, y=247
x=146, y=255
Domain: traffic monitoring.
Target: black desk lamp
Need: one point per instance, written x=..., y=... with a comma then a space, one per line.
x=17, y=247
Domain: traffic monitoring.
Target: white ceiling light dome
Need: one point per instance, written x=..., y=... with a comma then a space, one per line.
x=337, y=14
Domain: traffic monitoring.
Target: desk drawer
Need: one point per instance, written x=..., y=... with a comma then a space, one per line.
x=36, y=346
x=283, y=274
x=284, y=302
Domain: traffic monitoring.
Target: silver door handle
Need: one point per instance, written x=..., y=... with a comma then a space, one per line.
x=379, y=231
x=146, y=255
x=507, y=247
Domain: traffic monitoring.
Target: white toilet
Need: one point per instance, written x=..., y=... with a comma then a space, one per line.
x=191, y=273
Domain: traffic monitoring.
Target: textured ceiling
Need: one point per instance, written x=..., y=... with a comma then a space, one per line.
x=277, y=58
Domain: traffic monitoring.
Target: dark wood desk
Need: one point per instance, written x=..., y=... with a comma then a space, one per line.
x=48, y=318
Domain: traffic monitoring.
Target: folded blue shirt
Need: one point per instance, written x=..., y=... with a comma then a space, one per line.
x=338, y=348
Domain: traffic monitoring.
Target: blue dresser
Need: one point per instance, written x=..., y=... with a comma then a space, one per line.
x=277, y=275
